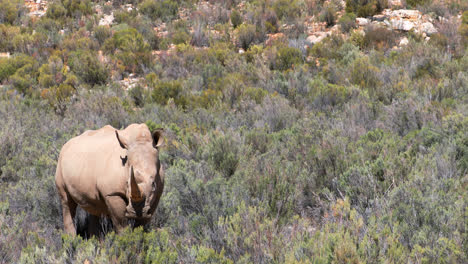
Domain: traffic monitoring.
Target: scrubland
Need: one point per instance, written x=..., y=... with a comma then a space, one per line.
x=350, y=150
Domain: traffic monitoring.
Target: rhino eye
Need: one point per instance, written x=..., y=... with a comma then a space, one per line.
x=154, y=185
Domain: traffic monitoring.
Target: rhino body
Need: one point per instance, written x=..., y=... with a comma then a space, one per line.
x=111, y=173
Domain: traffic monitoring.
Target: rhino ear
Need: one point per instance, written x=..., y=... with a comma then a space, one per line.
x=158, y=139
x=122, y=141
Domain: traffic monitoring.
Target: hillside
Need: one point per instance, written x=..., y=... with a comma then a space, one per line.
x=296, y=131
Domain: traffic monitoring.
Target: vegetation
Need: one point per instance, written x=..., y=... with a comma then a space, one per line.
x=344, y=151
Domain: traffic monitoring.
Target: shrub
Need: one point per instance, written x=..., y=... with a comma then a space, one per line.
x=86, y=65
x=8, y=34
x=200, y=36
x=131, y=49
x=325, y=95
x=288, y=57
x=55, y=10
x=162, y=91
x=70, y=8
x=6, y=69
x=347, y=22
x=102, y=33
x=463, y=29
x=9, y=11
x=328, y=15
x=379, y=38
x=9, y=66
x=364, y=74
x=180, y=37
x=245, y=35
x=223, y=155
x=164, y=10
x=416, y=3
x=236, y=18
x=287, y=9
x=365, y=8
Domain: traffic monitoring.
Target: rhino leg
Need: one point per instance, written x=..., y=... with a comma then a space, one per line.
x=68, y=211
x=93, y=225
x=117, y=208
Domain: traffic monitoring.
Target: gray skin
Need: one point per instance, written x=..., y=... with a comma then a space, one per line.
x=111, y=173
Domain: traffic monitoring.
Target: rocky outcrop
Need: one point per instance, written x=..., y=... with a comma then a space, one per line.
x=401, y=20
x=37, y=8
x=406, y=20
x=107, y=20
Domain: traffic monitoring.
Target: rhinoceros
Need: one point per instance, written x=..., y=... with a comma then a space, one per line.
x=113, y=173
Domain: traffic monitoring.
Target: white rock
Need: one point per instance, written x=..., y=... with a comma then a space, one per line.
x=106, y=20
x=406, y=13
x=362, y=21
x=404, y=41
x=241, y=51
x=4, y=54
x=394, y=3
x=401, y=24
x=428, y=28
x=317, y=37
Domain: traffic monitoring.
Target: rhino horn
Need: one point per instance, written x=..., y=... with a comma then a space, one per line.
x=135, y=192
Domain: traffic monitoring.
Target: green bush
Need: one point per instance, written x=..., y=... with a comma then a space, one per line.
x=130, y=48
x=86, y=65
x=8, y=34
x=328, y=15
x=180, y=37
x=287, y=9
x=364, y=74
x=223, y=155
x=236, y=18
x=102, y=33
x=164, y=10
x=163, y=91
x=347, y=22
x=10, y=11
x=365, y=8
x=70, y=8
x=416, y=3
x=55, y=10
x=463, y=29
x=287, y=57
x=245, y=35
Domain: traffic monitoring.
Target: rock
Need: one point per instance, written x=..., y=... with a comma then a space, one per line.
x=404, y=41
x=406, y=14
x=378, y=24
x=380, y=17
x=4, y=54
x=394, y=3
x=428, y=28
x=106, y=20
x=241, y=51
x=317, y=37
x=362, y=21
x=401, y=24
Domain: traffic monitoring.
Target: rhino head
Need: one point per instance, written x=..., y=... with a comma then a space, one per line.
x=142, y=164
